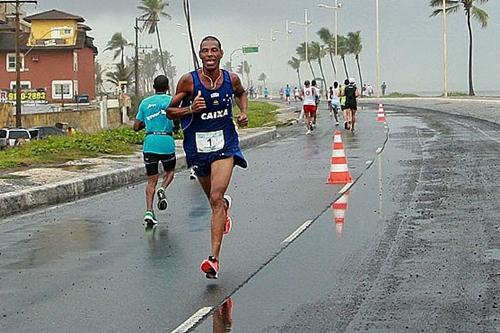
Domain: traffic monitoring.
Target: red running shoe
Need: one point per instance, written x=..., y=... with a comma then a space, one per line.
x=229, y=221
x=210, y=267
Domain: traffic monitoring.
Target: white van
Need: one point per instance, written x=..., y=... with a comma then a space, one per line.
x=10, y=137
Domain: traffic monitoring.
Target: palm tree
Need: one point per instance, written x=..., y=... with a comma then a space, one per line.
x=118, y=43
x=355, y=47
x=152, y=11
x=171, y=70
x=121, y=73
x=263, y=78
x=246, y=70
x=343, y=49
x=99, y=72
x=148, y=70
x=301, y=52
x=329, y=39
x=318, y=52
x=470, y=9
x=295, y=64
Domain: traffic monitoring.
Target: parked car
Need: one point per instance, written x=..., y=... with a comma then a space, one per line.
x=10, y=137
x=41, y=132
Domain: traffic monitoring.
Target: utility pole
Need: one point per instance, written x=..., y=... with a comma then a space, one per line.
x=136, y=58
x=18, y=58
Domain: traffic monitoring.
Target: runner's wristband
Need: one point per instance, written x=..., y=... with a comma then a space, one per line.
x=190, y=110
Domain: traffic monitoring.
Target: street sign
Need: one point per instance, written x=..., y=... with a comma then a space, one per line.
x=250, y=49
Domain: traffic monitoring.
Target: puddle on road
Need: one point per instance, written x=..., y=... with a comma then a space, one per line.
x=41, y=245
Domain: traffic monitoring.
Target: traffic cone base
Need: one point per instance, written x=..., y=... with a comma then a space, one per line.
x=339, y=172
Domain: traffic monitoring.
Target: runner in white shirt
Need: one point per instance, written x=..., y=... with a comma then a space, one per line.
x=308, y=95
x=336, y=102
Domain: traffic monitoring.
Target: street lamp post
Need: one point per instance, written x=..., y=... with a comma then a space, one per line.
x=287, y=34
x=445, y=49
x=231, y=57
x=306, y=24
x=337, y=5
x=378, y=47
x=271, y=40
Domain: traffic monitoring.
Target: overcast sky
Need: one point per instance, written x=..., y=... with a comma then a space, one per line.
x=410, y=41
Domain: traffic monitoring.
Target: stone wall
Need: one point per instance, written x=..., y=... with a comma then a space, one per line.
x=82, y=120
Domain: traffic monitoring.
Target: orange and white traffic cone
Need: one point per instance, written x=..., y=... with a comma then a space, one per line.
x=339, y=209
x=381, y=114
x=339, y=172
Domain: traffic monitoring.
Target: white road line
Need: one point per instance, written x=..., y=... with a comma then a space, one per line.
x=191, y=321
x=477, y=129
x=345, y=188
x=489, y=136
x=296, y=233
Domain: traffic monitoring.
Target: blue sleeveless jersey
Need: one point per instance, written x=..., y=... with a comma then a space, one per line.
x=210, y=135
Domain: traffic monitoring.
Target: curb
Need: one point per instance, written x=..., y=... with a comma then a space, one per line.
x=71, y=190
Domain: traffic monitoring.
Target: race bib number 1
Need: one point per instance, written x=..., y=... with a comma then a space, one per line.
x=208, y=142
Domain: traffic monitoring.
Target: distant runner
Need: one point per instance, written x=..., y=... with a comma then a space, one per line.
x=351, y=94
x=308, y=95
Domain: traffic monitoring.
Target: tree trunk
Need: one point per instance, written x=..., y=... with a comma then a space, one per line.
x=298, y=75
x=312, y=70
x=345, y=68
x=359, y=71
x=322, y=74
x=333, y=66
x=161, y=52
x=122, y=59
x=471, y=88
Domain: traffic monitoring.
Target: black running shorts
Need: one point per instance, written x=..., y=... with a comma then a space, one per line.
x=151, y=161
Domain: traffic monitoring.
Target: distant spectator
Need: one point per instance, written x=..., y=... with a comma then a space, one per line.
x=384, y=87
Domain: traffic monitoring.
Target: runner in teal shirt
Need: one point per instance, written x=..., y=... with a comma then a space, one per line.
x=159, y=145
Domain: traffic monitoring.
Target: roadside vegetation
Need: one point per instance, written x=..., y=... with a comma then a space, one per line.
x=120, y=141
x=398, y=94
x=457, y=94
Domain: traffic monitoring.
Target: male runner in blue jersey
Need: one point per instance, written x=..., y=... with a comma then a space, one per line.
x=159, y=145
x=210, y=139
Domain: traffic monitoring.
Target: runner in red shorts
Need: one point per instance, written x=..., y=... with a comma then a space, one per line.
x=308, y=95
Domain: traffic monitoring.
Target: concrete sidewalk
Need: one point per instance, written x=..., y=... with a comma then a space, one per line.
x=23, y=190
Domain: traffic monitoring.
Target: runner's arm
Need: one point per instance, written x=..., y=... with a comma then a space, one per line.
x=138, y=125
x=241, y=99
x=139, y=119
x=185, y=90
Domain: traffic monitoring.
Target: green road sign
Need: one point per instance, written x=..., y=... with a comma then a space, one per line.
x=250, y=49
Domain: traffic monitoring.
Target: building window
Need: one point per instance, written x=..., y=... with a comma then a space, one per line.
x=75, y=61
x=11, y=62
x=62, y=89
x=25, y=85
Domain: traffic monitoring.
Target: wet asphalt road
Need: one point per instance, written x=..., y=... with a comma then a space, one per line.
x=418, y=250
